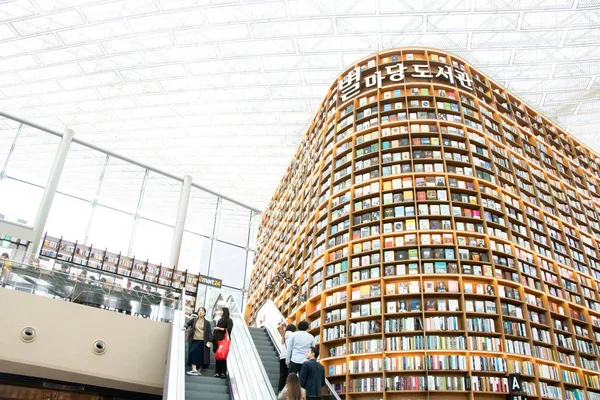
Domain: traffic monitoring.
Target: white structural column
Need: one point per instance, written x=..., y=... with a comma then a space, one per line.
x=50, y=191
x=184, y=199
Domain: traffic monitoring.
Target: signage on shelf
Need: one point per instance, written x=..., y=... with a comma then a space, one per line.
x=515, y=384
x=517, y=397
x=515, y=388
x=209, y=281
x=350, y=85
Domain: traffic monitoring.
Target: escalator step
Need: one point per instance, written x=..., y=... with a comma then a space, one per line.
x=261, y=340
x=267, y=349
x=265, y=346
x=204, y=380
x=271, y=365
x=195, y=395
x=207, y=389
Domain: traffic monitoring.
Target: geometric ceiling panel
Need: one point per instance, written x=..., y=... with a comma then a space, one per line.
x=225, y=89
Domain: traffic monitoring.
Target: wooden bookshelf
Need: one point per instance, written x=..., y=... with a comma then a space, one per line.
x=437, y=233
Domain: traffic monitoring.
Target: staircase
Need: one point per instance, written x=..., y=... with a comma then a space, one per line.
x=206, y=386
x=268, y=354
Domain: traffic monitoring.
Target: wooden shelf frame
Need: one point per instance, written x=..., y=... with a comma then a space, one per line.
x=517, y=185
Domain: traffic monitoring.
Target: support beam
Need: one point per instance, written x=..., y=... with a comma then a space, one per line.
x=49, y=192
x=184, y=199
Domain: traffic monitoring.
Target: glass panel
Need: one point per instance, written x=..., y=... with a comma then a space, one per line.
x=7, y=136
x=214, y=300
x=254, y=224
x=92, y=288
x=161, y=199
x=234, y=224
x=111, y=229
x=152, y=242
x=249, y=266
x=121, y=185
x=234, y=295
x=19, y=201
x=68, y=218
x=195, y=253
x=217, y=298
x=33, y=156
x=229, y=264
x=82, y=171
x=201, y=297
x=201, y=212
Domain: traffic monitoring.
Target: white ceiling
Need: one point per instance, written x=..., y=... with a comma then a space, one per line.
x=224, y=89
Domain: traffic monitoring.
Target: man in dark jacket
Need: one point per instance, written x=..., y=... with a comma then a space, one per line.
x=312, y=375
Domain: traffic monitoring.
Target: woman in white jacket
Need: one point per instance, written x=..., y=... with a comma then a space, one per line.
x=283, y=368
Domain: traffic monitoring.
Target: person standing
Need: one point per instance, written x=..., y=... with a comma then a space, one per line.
x=283, y=368
x=292, y=389
x=199, y=339
x=299, y=344
x=4, y=268
x=225, y=324
x=312, y=375
x=217, y=316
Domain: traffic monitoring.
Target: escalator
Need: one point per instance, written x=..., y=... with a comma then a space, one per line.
x=268, y=343
x=253, y=364
x=268, y=354
x=206, y=387
x=246, y=376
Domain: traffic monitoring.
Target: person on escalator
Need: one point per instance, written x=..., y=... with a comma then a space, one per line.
x=225, y=324
x=199, y=338
x=296, y=350
x=312, y=375
x=292, y=389
x=286, y=334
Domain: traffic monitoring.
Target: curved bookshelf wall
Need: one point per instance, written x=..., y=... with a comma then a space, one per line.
x=438, y=234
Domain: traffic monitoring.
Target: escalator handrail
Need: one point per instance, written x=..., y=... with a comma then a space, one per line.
x=275, y=337
x=247, y=374
x=174, y=383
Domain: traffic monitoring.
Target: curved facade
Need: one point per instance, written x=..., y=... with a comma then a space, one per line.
x=438, y=234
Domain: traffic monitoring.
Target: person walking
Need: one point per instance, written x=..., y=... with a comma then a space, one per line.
x=312, y=375
x=292, y=389
x=199, y=338
x=4, y=268
x=225, y=324
x=299, y=344
x=283, y=368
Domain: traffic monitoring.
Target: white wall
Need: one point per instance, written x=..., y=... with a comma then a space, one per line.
x=136, y=348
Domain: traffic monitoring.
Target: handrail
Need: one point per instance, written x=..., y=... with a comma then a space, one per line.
x=174, y=385
x=270, y=325
x=123, y=158
x=249, y=379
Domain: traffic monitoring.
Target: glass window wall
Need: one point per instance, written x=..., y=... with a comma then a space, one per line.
x=33, y=155
x=82, y=172
x=111, y=229
x=112, y=204
x=202, y=209
x=195, y=253
x=19, y=201
x=153, y=242
x=234, y=224
x=161, y=199
x=69, y=217
x=229, y=263
x=121, y=186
